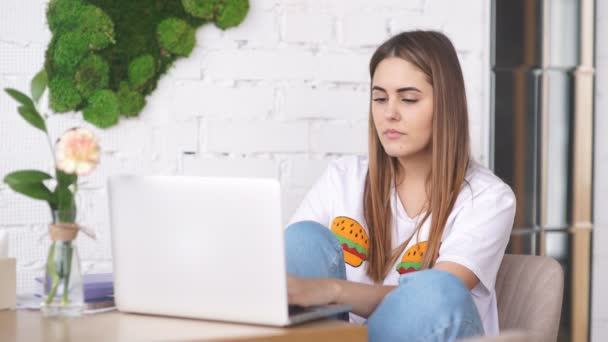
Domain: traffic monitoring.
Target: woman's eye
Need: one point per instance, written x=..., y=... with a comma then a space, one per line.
x=379, y=99
x=409, y=100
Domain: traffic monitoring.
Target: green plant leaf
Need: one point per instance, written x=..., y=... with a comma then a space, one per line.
x=38, y=85
x=26, y=176
x=34, y=190
x=20, y=97
x=64, y=180
x=29, y=183
x=31, y=115
x=66, y=205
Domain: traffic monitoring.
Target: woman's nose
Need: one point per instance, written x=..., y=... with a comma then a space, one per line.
x=392, y=112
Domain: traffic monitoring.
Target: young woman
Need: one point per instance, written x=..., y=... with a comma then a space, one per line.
x=413, y=235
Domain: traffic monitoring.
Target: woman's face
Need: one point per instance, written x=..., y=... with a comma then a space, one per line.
x=402, y=108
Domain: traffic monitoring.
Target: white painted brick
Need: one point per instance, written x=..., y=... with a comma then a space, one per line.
x=466, y=34
x=241, y=167
x=158, y=104
x=305, y=172
x=26, y=21
x=304, y=102
x=414, y=21
x=23, y=140
x=257, y=136
x=339, y=138
x=317, y=6
x=307, y=28
x=15, y=59
x=57, y=124
x=363, y=30
x=172, y=140
x=471, y=65
x=93, y=213
x=343, y=67
x=118, y=163
x=18, y=209
x=291, y=201
x=130, y=137
x=353, y=6
x=260, y=27
x=188, y=68
x=192, y=99
x=282, y=64
x=210, y=38
x=24, y=161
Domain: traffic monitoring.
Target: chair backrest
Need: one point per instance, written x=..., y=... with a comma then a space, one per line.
x=529, y=291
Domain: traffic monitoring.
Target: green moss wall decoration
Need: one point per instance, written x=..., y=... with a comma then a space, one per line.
x=106, y=56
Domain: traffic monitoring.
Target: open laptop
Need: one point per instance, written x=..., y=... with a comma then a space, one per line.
x=200, y=247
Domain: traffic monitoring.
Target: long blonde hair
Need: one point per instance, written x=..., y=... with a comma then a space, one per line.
x=432, y=53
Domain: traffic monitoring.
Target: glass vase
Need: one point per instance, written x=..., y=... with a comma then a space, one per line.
x=63, y=294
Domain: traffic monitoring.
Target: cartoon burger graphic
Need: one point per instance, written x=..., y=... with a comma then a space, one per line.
x=353, y=239
x=412, y=258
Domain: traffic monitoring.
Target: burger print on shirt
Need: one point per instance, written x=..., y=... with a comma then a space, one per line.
x=412, y=258
x=353, y=239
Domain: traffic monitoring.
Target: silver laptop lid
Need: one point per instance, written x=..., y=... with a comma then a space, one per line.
x=199, y=247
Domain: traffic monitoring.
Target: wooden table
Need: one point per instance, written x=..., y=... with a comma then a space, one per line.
x=30, y=326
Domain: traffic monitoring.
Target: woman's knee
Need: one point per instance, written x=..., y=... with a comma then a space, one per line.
x=313, y=251
x=310, y=233
x=425, y=303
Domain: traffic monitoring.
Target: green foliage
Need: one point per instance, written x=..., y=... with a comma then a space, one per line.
x=102, y=109
x=38, y=85
x=31, y=115
x=27, y=110
x=20, y=97
x=231, y=13
x=139, y=40
x=71, y=48
x=141, y=70
x=130, y=102
x=176, y=36
x=204, y=9
x=92, y=74
x=64, y=197
x=63, y=94
x=30, y=183
x=63, y=15
x=97, y=27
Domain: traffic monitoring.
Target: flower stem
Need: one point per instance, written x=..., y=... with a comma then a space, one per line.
x=51, y=269
x=68, y=267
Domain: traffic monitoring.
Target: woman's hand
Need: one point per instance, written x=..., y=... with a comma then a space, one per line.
x=308, y=292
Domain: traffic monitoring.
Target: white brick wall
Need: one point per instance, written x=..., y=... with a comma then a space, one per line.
x=599, y=297
x=279, y=96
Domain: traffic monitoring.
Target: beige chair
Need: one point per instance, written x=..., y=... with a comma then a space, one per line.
x=529, y=292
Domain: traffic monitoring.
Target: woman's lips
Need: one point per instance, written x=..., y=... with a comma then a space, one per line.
x=392, y=134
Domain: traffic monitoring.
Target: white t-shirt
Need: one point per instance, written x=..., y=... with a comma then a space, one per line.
x=476, y=233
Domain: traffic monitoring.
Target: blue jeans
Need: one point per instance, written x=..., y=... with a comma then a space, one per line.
x=428, y=305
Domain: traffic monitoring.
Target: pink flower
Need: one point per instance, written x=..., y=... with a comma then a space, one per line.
x=77, y=151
